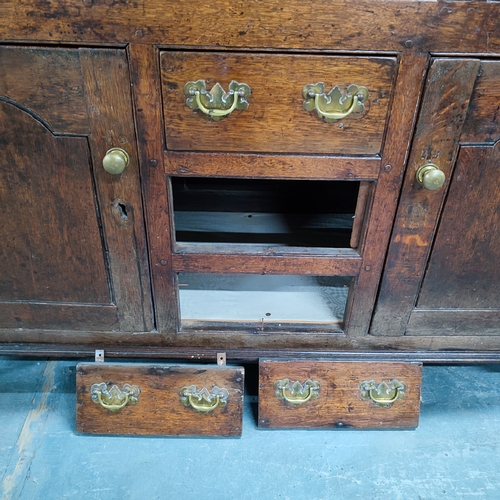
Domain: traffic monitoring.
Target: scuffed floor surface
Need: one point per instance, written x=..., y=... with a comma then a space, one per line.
x=455, y=452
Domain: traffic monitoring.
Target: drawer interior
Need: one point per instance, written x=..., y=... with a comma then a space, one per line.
x=263, y=301
x=266, y=212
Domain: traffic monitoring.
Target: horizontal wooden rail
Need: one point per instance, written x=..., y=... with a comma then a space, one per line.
x=342, y=265
x=271, y=166
x=391, y=26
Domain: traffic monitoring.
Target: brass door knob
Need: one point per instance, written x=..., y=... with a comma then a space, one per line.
x=115, y=161
x=430, y=176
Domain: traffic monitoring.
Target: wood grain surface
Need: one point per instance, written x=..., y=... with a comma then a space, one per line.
x=275, y=120
x=388, y=25
x=50, y=237
x=109, y=107
x=380, y=217
x=339, y=404
x=145, y=76
x=245, y=344
x=76, y=253
x=478, y=327
x=159, y=410
x=463, y=271
x=359, y=228
x=460, y=292
x=482, y=124
x=94, y=74
x=270, y=166
x=279, y=263
x=57, y=318
x=48, y=82
x=436, y=139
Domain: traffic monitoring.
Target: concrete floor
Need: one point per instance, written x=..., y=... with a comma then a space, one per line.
x=455, y=452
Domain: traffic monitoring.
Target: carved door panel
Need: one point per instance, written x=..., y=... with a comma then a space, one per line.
x=442, y=275
x=73, y=252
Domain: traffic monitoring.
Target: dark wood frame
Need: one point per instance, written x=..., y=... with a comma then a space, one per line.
x=410, y=30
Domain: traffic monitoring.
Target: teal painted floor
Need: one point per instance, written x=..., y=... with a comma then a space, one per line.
x=454, y=454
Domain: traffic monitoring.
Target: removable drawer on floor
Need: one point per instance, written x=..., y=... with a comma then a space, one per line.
x=159, y=399
x=277, y=103
x=320, y=394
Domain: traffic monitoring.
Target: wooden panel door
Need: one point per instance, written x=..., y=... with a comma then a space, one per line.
x=72, y=252
x=442, y=275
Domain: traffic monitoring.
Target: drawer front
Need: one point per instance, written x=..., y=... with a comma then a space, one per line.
x=159, y=400
x=275, y=119
x=321, y=394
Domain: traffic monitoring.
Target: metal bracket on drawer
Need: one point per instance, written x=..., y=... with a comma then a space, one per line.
x=99, y=355
x=221, y=358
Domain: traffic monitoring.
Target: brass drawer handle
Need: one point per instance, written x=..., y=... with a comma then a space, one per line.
x=203, y=401
x=430, y=176
x=114, y=399
x=335, y=105
x=115, y=161
x=216, y=104
x=383, y=394
x=295, y=393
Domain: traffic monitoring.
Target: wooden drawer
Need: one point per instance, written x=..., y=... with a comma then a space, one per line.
x=319, y=394
x=275, y=120
x=159, y=399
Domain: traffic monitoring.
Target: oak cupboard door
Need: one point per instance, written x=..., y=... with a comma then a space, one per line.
x=72, y=253
x=442, y=275
x=460, y=293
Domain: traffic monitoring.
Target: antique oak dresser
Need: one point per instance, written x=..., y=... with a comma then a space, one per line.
x=313, y=186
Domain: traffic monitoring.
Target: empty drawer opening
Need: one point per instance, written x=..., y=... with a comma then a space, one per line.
x=263, y=302
x=265, y=212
